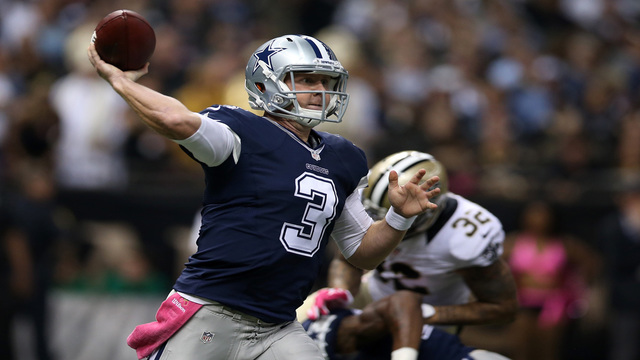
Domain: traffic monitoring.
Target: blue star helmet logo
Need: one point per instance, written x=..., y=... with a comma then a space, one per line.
x=265, y=55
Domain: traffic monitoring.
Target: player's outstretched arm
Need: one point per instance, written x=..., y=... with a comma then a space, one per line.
x=495, y=298
x=398, y=315
x=164, y=114
x=342, y=274
x=407, y=201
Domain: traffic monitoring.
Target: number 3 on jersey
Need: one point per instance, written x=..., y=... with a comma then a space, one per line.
x=320, y=194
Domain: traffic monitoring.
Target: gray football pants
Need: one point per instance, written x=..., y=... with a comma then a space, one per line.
x=217, y=332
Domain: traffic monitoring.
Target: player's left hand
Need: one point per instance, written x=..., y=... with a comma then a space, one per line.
x=412, y=198
x=328, y=299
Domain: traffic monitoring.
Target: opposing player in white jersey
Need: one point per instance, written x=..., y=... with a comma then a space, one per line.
x=450, y=255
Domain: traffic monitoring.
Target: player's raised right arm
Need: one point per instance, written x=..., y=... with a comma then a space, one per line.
x=164, y=114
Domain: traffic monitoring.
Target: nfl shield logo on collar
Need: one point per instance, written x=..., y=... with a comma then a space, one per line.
x=207, y=337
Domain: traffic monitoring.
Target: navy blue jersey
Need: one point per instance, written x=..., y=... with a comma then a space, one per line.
x=267, y=218
x=324, y=331
x=435, y=344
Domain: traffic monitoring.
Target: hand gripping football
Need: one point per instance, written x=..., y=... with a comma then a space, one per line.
x=124, y=39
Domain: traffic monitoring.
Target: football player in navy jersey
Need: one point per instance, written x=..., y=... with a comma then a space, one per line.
x=391, y=328
x=276, y=190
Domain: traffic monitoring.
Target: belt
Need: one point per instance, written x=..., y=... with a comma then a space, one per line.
x=235, y=314
x=223, y=309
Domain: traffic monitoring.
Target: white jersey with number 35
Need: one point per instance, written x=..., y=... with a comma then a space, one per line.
x=464, y=235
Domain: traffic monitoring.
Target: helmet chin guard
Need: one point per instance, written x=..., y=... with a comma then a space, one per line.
x=283, y=57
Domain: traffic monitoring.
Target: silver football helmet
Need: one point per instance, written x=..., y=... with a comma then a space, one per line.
x=284, y=56
x=406, y=163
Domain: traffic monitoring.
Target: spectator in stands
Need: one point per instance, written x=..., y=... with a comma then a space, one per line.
x=92, y=124
x=619, y=241
x=551, y=271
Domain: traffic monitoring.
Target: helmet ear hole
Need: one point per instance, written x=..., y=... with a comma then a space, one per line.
x=261, y=87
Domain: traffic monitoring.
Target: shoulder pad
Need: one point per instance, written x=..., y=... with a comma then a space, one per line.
x=476, y=235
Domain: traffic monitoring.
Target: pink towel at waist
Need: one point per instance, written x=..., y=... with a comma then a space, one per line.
x=172, y=314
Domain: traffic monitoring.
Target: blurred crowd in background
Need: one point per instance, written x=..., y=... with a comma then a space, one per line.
x=521, y=100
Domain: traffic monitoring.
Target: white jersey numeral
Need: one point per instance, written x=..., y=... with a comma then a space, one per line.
x=304, y=238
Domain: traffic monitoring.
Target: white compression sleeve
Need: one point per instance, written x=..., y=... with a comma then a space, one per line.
x=351, y=226
x=212, y=143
